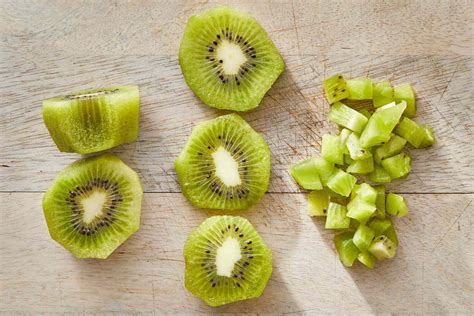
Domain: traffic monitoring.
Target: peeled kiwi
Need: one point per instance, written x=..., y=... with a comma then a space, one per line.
x=224, y=165
x=93, y=120
x=228, y=60
x=93, y=206
x=226, y=261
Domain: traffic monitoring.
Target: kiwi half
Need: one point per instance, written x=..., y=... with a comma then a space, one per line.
x=228, y=60
x=93, y=120
x=224, y=165
x=93, y=206
x=226, y=261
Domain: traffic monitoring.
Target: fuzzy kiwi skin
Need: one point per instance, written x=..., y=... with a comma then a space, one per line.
x=274, y=61
x=266, y=269
x=111, y=120
x=181, y=166
x=59, y=189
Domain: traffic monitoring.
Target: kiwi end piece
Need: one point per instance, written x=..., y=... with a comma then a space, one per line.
x=336, y=217
x=382, y=93
x=224, y=165
x=226, y=261
x=360, y=89
x=93, y=206
x=306, y=174
x=398, y=166
x=346, y=249
x=228, y=60
x=318, y=202
x=93, y=120
x=335, y=88
x=405, y=92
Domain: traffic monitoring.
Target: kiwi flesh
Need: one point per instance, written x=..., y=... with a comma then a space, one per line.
x=228, y=60
x=224, y=165
x=93, y=120
x=93, y=206
x=226, y=261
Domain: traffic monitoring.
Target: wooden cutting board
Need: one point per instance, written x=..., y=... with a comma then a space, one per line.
x=51, y=47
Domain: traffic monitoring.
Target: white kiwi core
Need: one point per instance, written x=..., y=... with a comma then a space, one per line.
x=228, y=254
x=93, y=206
x=232, y=57
x=227, y=168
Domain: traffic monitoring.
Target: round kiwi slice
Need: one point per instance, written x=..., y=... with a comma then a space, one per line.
x=226, y=261
x=93, y=206
x=224, y=165
x=93, y=120
x=228, y=59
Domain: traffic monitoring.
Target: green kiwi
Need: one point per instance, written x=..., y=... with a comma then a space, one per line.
x=224, y=165
x=93, y=120
x=93, y=206
x=228, y=60
x=226, y=261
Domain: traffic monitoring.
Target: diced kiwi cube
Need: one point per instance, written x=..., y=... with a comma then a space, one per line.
x=379, y=226
x=363, y=237
x=366, y=192
x=379, y=175
x=336, y=217
x=392, y=147
x=429, y=139
x=380, y=201
x=342, y=182
x=318, y=203
x=411, y=131
x=335, y=88
x=360, y=89
x=356, y=151
x=391, y=234
x=331, y=149
x=325, y=169
x=306, y=174
x=383, y=93
x=361, y=166
x=346, y=249
x=367, y=259
x=397, y=166
x=396, y=205
x=405, y=92
x=382, y=248
x=347, y=117
x=360, y=210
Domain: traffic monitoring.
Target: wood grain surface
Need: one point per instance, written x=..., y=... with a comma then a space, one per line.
x=52, y=47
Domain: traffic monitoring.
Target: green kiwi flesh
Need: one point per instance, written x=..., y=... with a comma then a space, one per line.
x=228, y=60
x=226, y=261
x=224, y=165
x=93, y=206
x=93, y=120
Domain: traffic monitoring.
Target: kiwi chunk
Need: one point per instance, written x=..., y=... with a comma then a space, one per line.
x=363, y=237
x=383, y=93
x=365, y=192
x=342, y=182
x=360, y=210
x=306, y=175
x=396, y=205
x=382, y=248
x=325, y=169
x=356, y=151
x=361, y=166
x=405, y=92
x=347, y=117
x=346, y=249
x=224, y=165
x=228, y=60
x=226, y=261
x=93, y=120
x=380, y=201
x=398, y=166
x=379, y=175
x=360, y=89
x=411, y=131
x=367, y=259
x=335, y=88
x=392, y=147
x=336, y=217
x=429, y=139
x=379, y=226
x=331, y=149
x=318, y=202
x=93, y=206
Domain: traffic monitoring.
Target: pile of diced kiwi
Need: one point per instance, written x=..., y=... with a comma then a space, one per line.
x=370, y=146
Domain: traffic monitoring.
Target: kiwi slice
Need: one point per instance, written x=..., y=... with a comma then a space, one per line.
x=93, y=206
x=226, y=261
x=224, y=165
x=228, y=60
x=93, y=120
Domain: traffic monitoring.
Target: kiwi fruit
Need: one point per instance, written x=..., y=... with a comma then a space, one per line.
x=93, y=206
x=224, y=165
x=228, y=60
x=226, y=261
x=93, y=120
